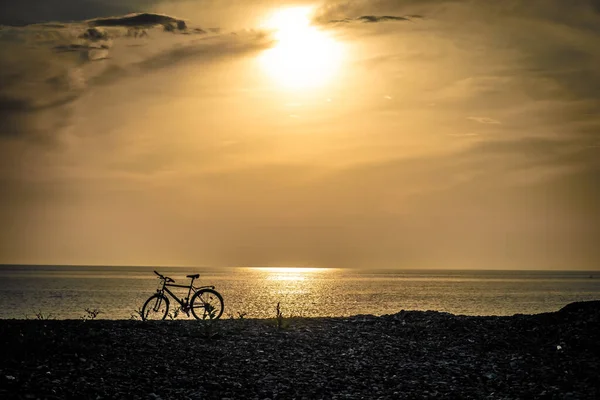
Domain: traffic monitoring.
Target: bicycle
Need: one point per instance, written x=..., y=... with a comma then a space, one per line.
x=205, y=302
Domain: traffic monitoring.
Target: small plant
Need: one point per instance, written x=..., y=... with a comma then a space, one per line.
x=39, y=315
x=209, y=323
x=239, y=323
x=240, y=316
x=90, y=314
x=173, y=314
x=137, y=315
x=279, y=318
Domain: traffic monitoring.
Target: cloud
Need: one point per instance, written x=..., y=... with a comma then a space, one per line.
x=141, y=20
x=383, y=18
x=37, y=119
x=484, y=120
x=374, y=18
x=26, y=12
x=225, y=45
x=89, y=52
x=65, y=61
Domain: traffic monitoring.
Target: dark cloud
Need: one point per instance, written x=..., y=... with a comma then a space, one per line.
x=409, y=9
x=76, y=47
x=19, y=105
x=12, y=115
x=26, y=12
x=374, y=18
x=141, y=20
x=17, y=115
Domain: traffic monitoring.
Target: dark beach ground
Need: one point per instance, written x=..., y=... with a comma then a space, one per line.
x=412, y=354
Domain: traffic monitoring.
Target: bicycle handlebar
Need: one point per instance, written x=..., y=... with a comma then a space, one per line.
x=166, y=278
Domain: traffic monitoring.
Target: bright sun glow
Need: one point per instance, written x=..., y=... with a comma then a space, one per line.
x=304, y=56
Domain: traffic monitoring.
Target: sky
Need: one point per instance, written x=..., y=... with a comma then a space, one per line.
x=361, y=134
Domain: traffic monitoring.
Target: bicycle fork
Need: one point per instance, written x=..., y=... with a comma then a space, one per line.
x=157, y=304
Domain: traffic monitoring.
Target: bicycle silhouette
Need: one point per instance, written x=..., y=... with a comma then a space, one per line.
x=205, y=302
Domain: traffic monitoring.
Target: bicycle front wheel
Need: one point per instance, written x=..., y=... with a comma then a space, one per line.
x=207, y=304
x=155, y=308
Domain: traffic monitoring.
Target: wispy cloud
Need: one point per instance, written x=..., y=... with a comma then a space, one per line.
x=97, y=52
x=375, y=18
x=484, y=120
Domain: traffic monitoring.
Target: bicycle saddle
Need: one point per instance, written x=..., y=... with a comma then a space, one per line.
x=194, y=276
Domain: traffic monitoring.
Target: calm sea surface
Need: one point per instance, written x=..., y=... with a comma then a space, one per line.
x=66, y=291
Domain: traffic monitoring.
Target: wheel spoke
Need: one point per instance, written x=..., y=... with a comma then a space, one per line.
x=155, y=308
x=210, y=302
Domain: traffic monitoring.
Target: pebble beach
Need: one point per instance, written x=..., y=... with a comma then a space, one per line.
x=407, y=355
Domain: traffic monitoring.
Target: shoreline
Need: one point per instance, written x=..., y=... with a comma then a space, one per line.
x=410, y=354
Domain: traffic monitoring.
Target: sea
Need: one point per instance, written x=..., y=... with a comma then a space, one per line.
x=118, y=292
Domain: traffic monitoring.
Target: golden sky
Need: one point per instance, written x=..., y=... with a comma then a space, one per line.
x=374, y=134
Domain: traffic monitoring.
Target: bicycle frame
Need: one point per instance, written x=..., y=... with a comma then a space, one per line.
x=184, y=303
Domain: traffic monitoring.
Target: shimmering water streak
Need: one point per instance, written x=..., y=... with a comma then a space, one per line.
x=65, y=291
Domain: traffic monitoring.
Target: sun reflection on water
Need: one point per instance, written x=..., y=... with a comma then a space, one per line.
x=290, y=273
x=299, y=290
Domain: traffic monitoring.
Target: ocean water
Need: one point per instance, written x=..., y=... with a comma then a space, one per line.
x=65, y=292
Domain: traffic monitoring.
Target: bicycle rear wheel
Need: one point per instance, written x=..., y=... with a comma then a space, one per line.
x=155, y=308
x=207, y=304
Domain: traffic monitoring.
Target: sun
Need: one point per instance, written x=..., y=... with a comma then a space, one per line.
x=303, y=56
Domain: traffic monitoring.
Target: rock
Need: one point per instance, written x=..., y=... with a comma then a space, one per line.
x=95, y=34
